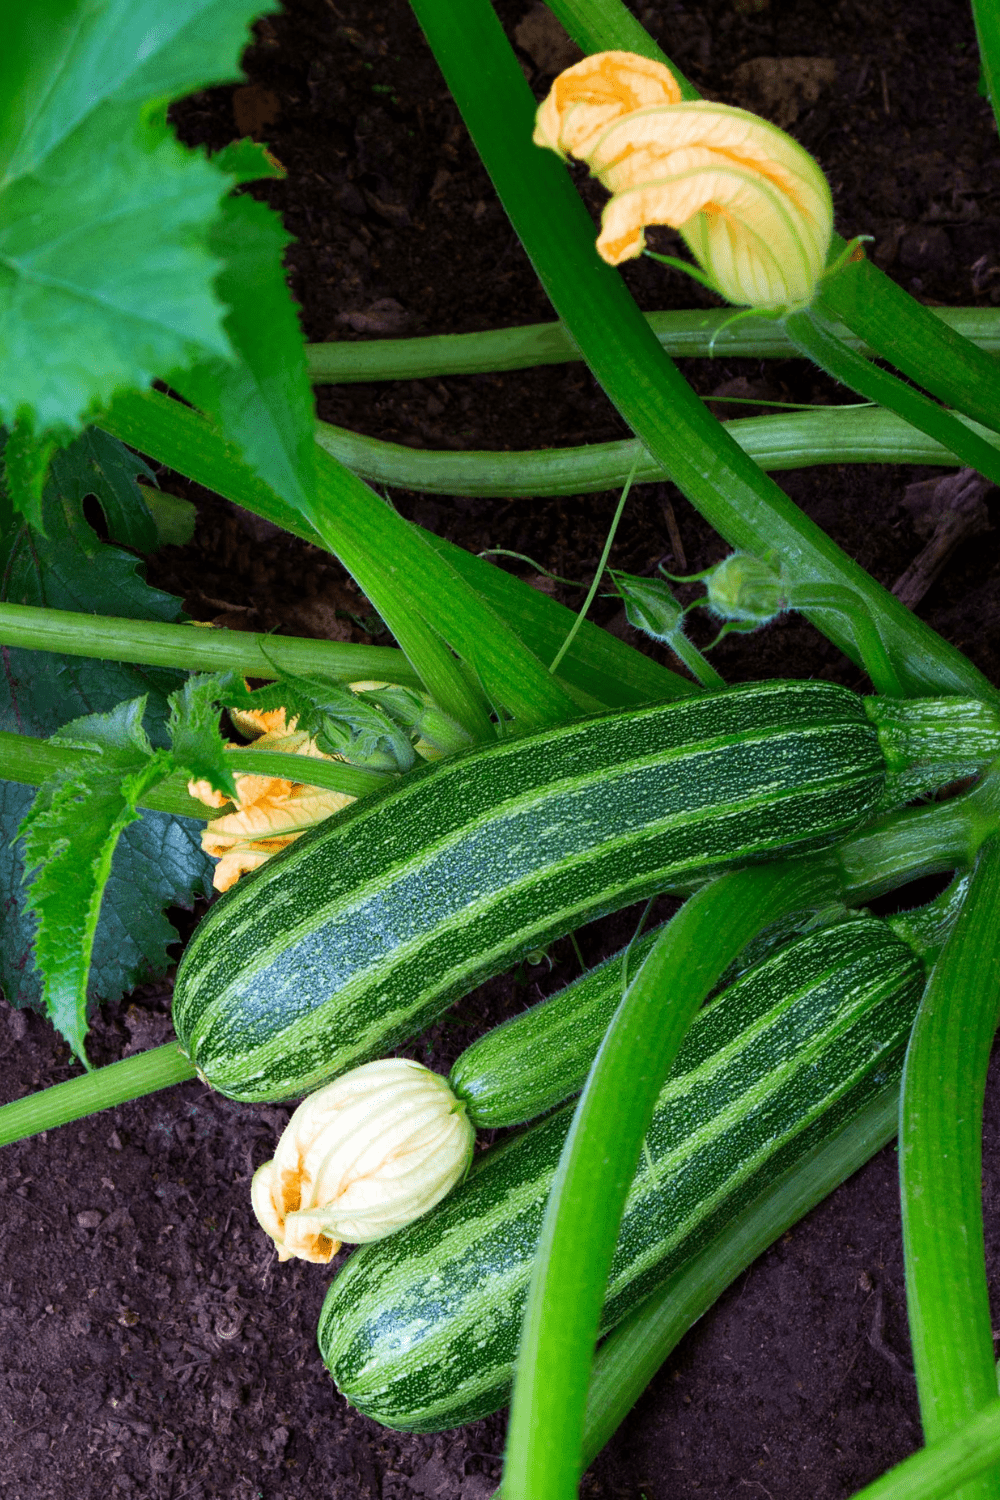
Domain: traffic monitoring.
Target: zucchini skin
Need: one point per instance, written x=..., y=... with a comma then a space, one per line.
x=420, y=1332
x=538, y=1059
x=363, y=931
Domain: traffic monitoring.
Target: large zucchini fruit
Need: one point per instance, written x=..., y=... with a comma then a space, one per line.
x=363, y=931
x=420, y=1331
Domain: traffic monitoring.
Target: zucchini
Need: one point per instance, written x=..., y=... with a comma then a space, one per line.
x=420, y=1331
x=364, y=930
x=540, y=1058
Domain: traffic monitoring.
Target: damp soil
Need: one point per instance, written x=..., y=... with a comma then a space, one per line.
x=151, y=1344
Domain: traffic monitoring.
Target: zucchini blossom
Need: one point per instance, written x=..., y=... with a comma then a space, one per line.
x=361, y=1158
x=751, y=204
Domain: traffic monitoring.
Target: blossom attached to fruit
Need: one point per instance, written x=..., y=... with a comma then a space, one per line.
x=361, y=1158
x=271, y=811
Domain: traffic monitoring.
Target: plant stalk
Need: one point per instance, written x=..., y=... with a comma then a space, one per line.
x=802, y=439
x=88, y=1093
x=190, y=649
x=940, y=1160
x=814, y=338
x=690, y=334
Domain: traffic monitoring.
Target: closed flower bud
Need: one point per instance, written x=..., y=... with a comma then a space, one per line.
x=745, y=588
x=753, y=207
x=361, y=1158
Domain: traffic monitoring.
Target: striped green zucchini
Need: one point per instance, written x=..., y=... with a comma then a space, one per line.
x=540, y=1058
x=363, y=931
x=420, y=1331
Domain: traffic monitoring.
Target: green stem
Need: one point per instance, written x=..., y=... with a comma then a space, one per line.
x=583, y=1214
x=871, y=647
x=987, y=19
x=331, y=775
x=929, y=349
x=29, y=762
x=193, y=650
x=918, y=841
x=629, y=1358
x=805, y=439
x=814, y=338
x=700, y=667
x=691, y=334
x=90, y=1092
x=742, y=503
x=940, y=1160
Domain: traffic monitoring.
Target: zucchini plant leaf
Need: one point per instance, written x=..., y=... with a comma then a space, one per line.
x=194, y=730
x=70, y=835
x=340, y=721
x=101, y=466
x=262, y=400
x=159, y=861
x=105, y=219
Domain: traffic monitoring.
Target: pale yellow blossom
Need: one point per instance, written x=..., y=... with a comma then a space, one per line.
x=592, y=94
x=253, y=722
x=752, y=205
x=361, y=1158
x=271, y=811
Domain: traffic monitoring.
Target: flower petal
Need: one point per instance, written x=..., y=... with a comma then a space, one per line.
x=753, y=206
x=361, y=1158
x=587, y=97
x=256, y=721
x=242, y=841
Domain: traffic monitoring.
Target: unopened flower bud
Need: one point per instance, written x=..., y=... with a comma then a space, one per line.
x=745, y=588
x=361, y=1158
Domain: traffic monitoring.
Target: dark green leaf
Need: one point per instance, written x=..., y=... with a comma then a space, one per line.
x=96, y=464
x=194, y=730
x=39, y=692
x=70, y=835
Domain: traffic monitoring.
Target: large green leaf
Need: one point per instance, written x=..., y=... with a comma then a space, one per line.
x=263, y=399
x=158, y=861
x=98, y=465
x=106, y=268
x=70, y=836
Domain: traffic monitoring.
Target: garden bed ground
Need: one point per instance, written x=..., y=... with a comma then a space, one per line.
x=151, y=1344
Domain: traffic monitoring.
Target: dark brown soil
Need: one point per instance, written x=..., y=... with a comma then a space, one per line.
x=151, y=1343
